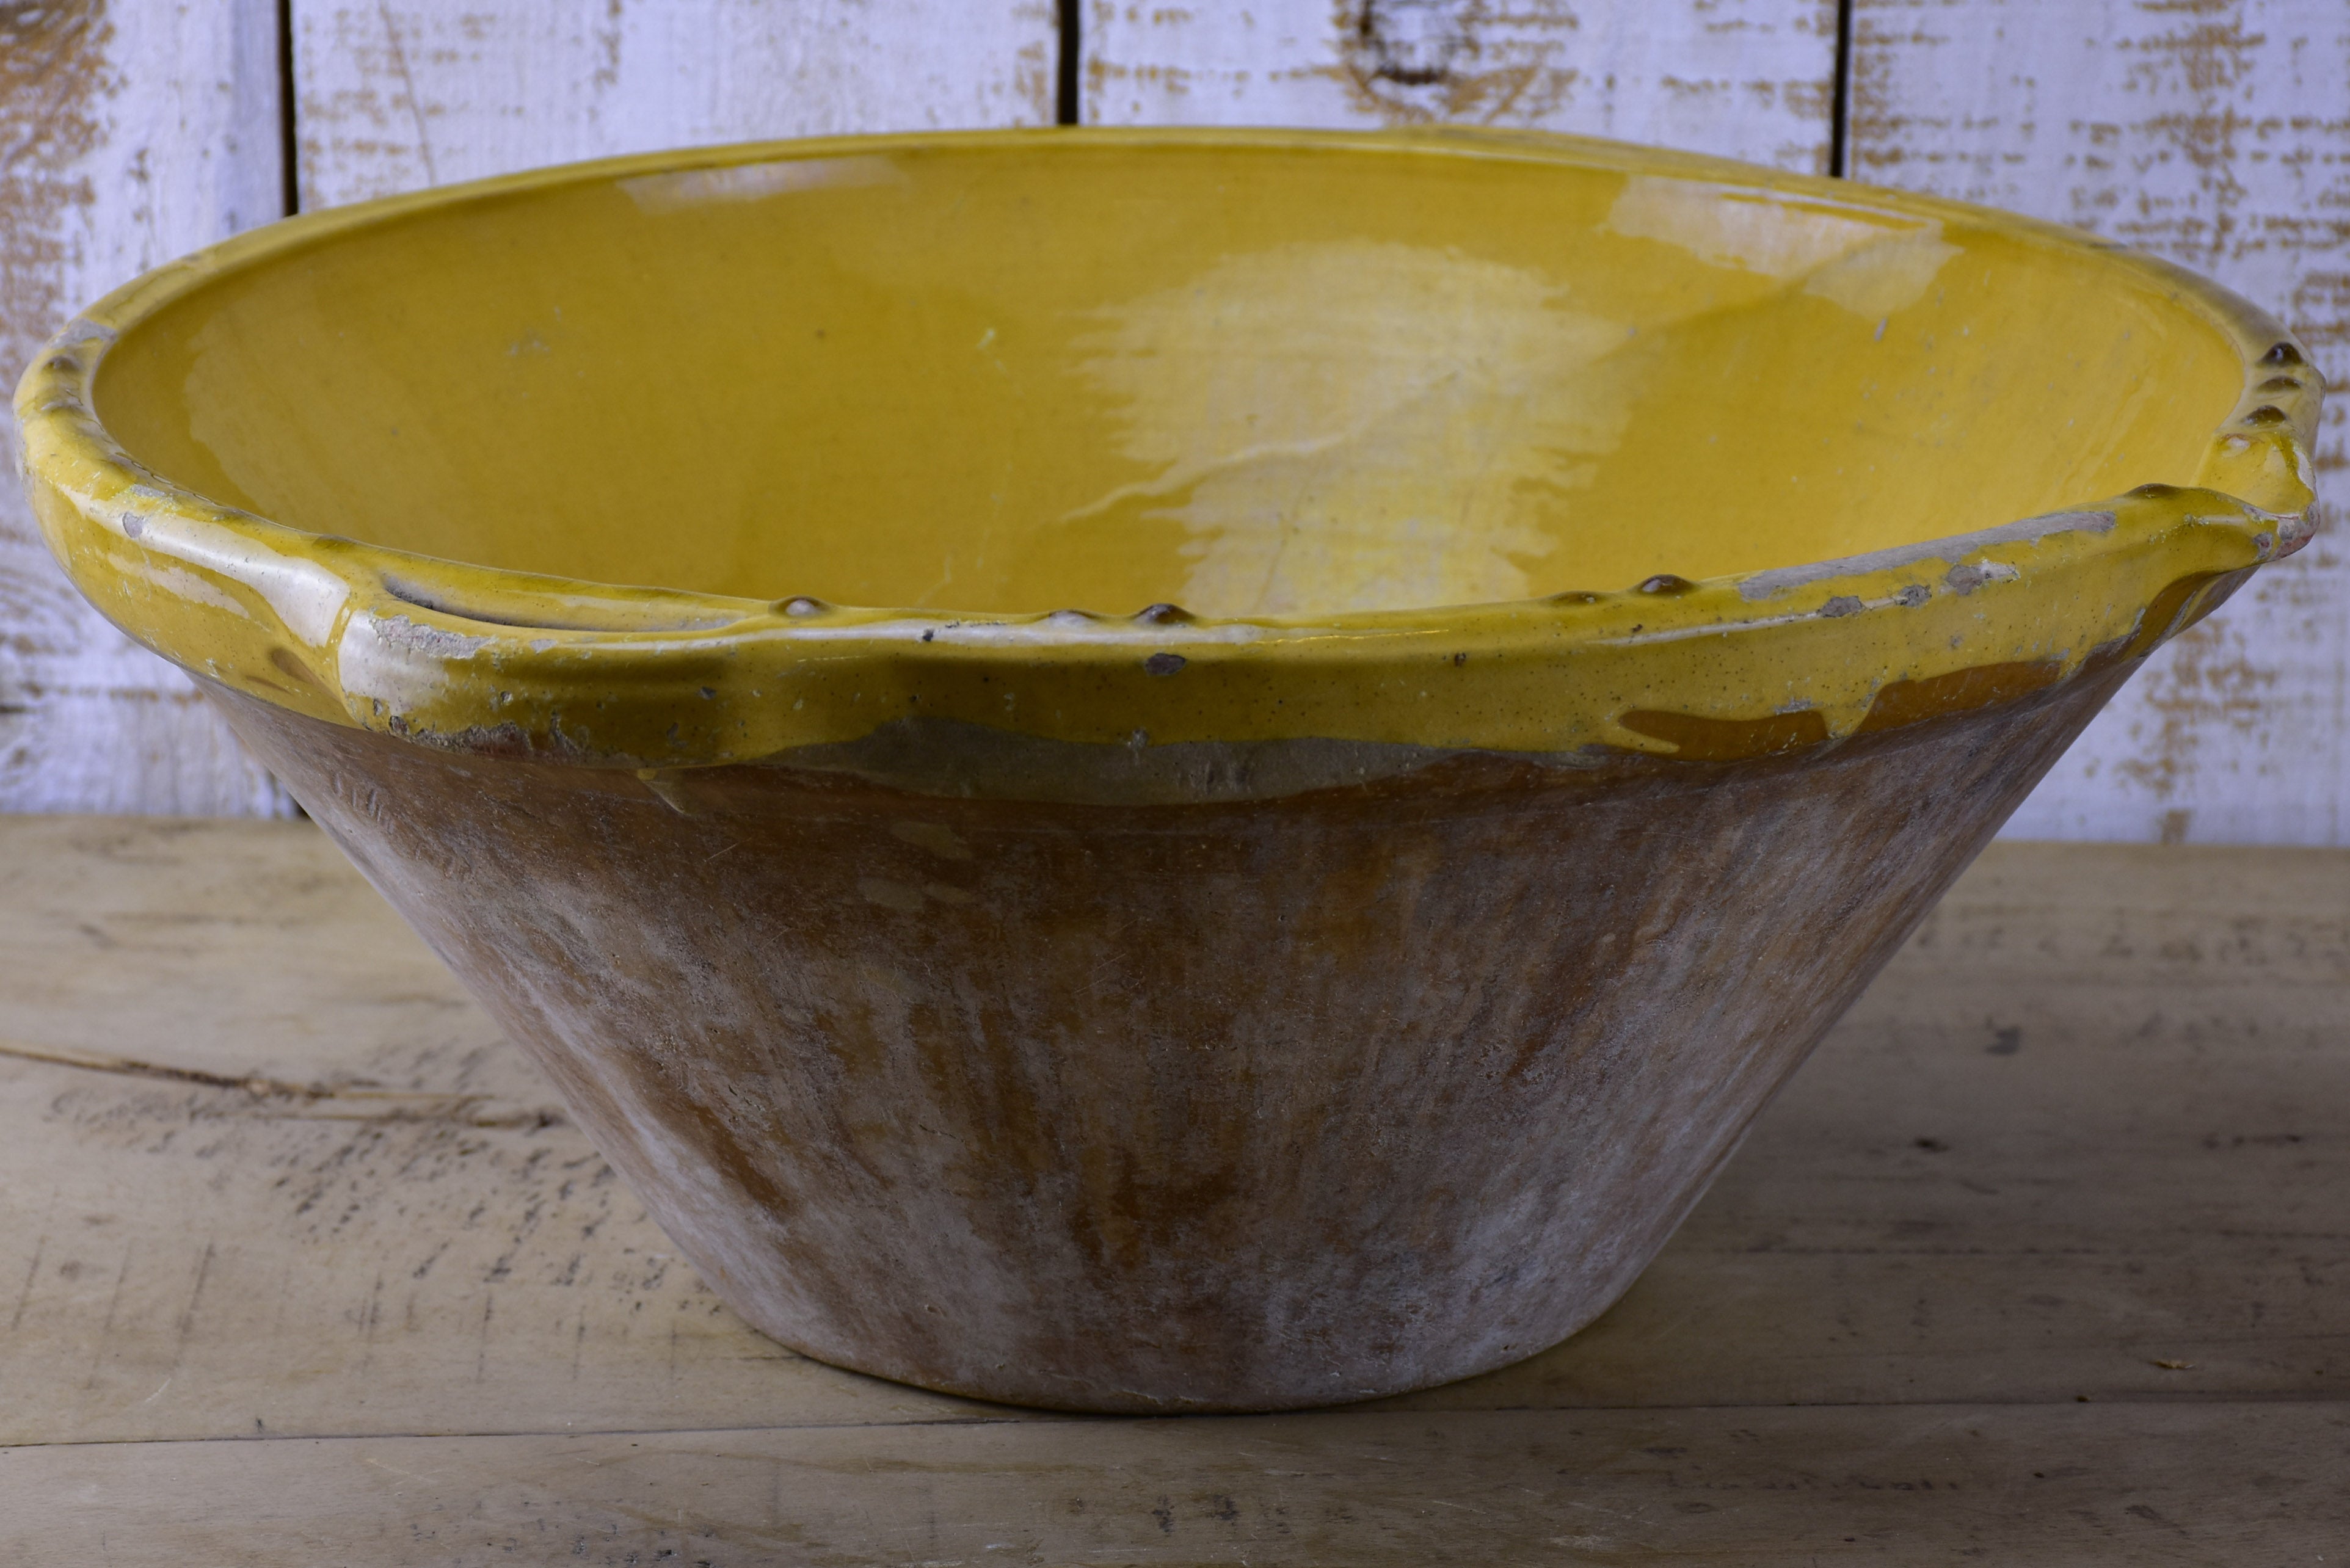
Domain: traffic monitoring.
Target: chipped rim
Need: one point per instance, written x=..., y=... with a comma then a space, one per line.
x=486, y=660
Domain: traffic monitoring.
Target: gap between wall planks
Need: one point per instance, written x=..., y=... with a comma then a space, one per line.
x=2215, y=133
x=129, y=133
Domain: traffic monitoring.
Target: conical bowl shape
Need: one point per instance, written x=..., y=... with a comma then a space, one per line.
x=1165, y=770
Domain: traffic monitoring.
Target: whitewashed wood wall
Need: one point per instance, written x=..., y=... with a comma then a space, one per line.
x=2215, y=131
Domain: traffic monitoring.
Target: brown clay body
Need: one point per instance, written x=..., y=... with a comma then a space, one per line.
x=1241, y=1104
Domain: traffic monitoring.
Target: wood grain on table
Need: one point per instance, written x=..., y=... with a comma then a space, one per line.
x=2045, y=1256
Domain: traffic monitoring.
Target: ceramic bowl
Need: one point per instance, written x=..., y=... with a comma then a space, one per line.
x=1165, y=770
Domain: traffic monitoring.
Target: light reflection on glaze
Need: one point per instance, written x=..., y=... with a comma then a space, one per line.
x=1357, y=426
x=1871, y=265
x=690, y=188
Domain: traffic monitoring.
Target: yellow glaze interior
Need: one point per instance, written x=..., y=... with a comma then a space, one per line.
x=1438, y=438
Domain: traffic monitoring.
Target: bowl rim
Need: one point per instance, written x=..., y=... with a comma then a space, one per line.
x=492, y=660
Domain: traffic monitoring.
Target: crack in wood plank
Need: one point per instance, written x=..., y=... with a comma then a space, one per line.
x=1755, y=1487
x=362, y=1101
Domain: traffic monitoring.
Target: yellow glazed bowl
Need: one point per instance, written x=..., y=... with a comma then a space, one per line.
x=1165, y=770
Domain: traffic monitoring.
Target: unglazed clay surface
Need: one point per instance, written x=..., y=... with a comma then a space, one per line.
x=1236, y=1105
x=1227, y=809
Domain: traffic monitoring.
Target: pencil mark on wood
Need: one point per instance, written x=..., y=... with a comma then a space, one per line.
x=32, y=1272
x=408, y=93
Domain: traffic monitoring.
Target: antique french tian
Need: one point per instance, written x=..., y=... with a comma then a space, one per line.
x=1166, y=770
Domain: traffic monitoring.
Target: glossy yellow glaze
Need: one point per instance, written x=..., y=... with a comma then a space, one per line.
x=1451, y=439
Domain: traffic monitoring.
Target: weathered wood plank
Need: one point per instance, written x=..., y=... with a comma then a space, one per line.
x=264, y=1170
x=2217, y=133
x=1746, y=78
x=129, y=133
x=398, y=97
x=2073, y=1484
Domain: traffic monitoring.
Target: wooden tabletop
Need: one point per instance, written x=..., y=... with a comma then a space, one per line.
x=2043, y=1258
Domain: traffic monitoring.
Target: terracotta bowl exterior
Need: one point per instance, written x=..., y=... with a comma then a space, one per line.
x=1235, y=759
